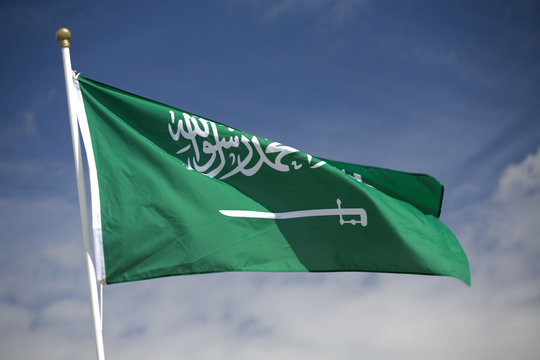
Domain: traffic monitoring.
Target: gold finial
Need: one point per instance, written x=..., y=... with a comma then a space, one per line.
x=63, y=35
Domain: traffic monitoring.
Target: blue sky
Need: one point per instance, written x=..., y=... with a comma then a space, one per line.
x=450, y=89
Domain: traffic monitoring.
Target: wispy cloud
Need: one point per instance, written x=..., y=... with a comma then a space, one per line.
x=16, y=15
x=300, y=316
x=520, y=180
x=319, y=316
x=444, y=89
x=29, y=126
x=24, y=125
x=335, y=12
x=22, y=128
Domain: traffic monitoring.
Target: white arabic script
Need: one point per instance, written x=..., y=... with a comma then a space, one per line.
x=209, y=152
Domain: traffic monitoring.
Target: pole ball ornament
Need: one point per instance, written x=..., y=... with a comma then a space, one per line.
x=63, y=35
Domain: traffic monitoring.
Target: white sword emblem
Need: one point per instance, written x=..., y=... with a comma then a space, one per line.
x=304, y=213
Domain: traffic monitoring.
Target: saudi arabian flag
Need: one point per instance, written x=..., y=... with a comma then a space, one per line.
x=174, y=193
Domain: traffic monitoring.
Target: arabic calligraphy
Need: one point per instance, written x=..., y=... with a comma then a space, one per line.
x=361, y=213
x=220, y=152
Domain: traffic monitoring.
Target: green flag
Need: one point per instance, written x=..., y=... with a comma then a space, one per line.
x=175, y=193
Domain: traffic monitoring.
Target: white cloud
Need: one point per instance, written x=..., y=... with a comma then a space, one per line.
x=29, y=125
x=42, y=257
x=230, y=315
x=24, y=124
x=520, y=180
x=21, y=339
x=321, y=316
x=45, y=312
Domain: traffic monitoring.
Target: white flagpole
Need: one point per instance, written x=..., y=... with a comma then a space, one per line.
x=63, y=35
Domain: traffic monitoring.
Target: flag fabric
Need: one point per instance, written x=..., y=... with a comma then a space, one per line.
x=174, y=193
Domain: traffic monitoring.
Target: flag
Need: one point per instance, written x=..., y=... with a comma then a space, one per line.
x=175, y=193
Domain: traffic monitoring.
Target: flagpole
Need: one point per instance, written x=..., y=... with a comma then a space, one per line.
x=63, y=36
